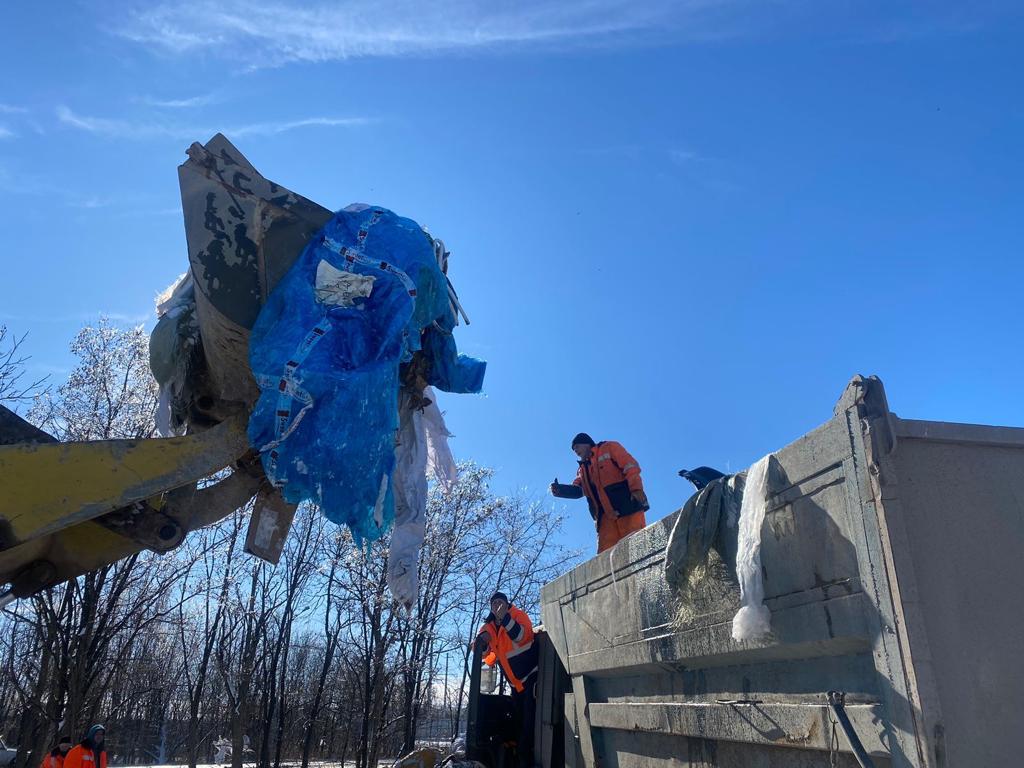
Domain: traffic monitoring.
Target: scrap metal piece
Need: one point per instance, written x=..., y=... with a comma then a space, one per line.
x=269, y=525
x=244, y=232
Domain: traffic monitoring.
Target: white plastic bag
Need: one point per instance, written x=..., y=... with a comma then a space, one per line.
x=753, y=619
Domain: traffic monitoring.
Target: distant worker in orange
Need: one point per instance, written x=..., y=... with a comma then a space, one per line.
x=506, y=638
x=90, y=753
x=610, y=479
x=56, y=757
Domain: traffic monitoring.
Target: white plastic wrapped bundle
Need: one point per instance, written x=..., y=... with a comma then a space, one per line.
x=422, y=447
x=753, y=619
x=440, y=462
x=171, y=344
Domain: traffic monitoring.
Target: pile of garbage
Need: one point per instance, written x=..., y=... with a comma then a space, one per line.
x=331, y=333
x=345, y=353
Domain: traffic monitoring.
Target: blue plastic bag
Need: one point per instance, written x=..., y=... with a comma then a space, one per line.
x=449, y=371
x=326, y=350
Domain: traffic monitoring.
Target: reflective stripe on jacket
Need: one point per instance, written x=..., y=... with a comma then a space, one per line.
x=607, y=479
x=512, y=647
x=52, y=761
x=82, y=757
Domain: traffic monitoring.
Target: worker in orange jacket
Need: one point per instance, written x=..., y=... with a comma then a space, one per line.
x=610, y=479
x=91, y=752
x=506, y=638
x=56, y=757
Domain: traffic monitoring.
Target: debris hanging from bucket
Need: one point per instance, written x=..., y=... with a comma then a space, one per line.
x=753, y=619
x=173, y=346
x=366, y=296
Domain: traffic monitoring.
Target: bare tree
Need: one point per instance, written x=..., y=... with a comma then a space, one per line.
x=201, y=610
x=311, y=658
x=14, y=387
x=372, y=638
x=333, y=624
x=514, y=550
x=77, y=625
x=296, y=570
x=241, y=644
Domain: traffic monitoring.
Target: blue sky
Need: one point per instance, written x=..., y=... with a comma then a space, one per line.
x=680, y=225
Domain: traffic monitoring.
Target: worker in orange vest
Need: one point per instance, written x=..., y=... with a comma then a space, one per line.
x=610, y=479
x=91, y=752
x=56, y=757
x=506, y=638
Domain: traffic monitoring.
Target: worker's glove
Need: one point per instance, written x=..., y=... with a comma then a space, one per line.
x=563, y=491
x=641, y=499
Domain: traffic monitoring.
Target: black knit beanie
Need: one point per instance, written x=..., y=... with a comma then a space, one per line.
x=583, y=439
x=500, y=596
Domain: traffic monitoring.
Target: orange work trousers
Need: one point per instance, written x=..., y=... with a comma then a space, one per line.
x=612, y=529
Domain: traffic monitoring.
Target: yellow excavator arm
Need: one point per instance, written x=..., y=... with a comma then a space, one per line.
x=68, y=508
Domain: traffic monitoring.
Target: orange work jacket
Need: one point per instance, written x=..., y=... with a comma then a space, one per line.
x=608, y=479
x=512, y=647
x=81, y=757
x=52, y=761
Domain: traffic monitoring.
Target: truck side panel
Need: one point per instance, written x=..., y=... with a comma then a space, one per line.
x=955, y=493
x=658, y=680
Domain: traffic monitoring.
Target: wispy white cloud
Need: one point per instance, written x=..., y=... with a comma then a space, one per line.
x=688, y=165
x=954, y=20
x=269, y=129
x=21, y=184
x=146, y=213
x=269, y=33
x=273, y=32
x=682, y=156
x=14, y=113
x=132, y=129
x=126, y=317
x=637, y=152
x=193, y=101
x=98, y=124
x=91, y=202
x=624, y=151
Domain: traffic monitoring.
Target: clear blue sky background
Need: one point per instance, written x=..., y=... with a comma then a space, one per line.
x=679, y=225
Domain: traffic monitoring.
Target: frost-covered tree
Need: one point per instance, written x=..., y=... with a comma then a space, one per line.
x=75, y=640
x=110, y=394
x=307, y=660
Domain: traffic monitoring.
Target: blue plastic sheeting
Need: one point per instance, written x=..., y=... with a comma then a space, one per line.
x=450, y=371
x=325, y=350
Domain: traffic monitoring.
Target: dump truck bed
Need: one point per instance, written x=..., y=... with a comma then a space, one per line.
x=890, y=553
